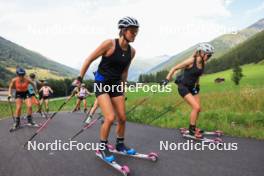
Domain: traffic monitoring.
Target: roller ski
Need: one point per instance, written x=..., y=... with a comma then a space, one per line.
x=15, y=128
x=133, y=153
x=109, y=158
x=33, y=125
x=197, y=135
x=213, y=133
x=204, y=139
x=17, y=125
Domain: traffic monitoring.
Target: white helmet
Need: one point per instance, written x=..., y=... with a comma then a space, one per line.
x=206, y=47
x=127, y=22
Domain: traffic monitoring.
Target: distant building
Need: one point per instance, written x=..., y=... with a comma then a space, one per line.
x=219, y=80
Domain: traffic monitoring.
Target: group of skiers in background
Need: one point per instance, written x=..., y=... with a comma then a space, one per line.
x=26, y=90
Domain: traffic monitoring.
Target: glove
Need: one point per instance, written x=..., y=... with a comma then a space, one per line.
x=9, y=97
x=196, y=89
x=164, y=82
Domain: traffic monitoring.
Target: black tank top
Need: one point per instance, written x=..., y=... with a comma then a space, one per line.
x=112, y=67
x=191, y=75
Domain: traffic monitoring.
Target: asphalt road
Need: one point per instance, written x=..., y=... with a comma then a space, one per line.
x=248, y=160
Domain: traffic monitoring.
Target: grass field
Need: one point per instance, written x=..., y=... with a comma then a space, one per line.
x=236, y=110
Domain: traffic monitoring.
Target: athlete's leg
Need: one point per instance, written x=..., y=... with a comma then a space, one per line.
x=41, y=102
x=29, y=106
x=47, y=105
x=85, y=104
x=108, y=112
x=94, y=108
x=37, y=104
x=77, y=105
x=29, y=111
x=198, y=100
x=119, y=106
x=19, y=103
x=196, y=108
x=109, y=115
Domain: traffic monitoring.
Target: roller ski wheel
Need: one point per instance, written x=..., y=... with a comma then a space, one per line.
x=153, y=156
x=125, y=170
x=218, y=140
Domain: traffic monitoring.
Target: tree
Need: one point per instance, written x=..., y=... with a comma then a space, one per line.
x=237, y=74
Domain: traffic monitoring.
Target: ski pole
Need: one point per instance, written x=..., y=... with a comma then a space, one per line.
x=11, y=109
x=139, y=103
x=165, y=112
x=45, y=123
x=85, y=127
x=87, y=114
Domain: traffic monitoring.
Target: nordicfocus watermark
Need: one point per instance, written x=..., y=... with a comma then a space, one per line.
x=137, y=87
x=58, y=145
x=191, y=145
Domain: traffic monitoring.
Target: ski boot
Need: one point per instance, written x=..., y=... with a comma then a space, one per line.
x=121, y=147
x=106, y=154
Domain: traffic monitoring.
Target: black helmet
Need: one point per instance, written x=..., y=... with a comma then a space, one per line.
x=20, y=71
x=127, y=22
x=32, y=75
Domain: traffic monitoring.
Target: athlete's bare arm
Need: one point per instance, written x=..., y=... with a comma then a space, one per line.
x=181, y=65
x=100, y=51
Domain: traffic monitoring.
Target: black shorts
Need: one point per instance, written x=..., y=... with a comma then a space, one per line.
x=81, y=98
x=22, y=95
x=32, y=95
x=184, y=90
x=45, y=97
x=112, y=88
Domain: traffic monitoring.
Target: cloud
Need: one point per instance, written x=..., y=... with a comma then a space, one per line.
x=68, y=31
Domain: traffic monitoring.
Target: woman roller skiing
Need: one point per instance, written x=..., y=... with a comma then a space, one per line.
x=20, y=83
x=188, y=82
x=117, y=55
x=46, y=92
x=81, y=93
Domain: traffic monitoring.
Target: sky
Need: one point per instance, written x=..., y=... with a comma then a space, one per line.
x=67, y=31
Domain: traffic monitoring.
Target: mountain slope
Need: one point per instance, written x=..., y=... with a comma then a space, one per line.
x=250, y=51
x=141, y=65
x=222, y=45
x=12, y=55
